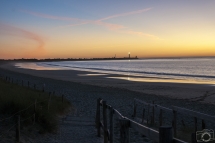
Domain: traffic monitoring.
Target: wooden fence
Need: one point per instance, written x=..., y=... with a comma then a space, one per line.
x=174, y=111
x=164, y=135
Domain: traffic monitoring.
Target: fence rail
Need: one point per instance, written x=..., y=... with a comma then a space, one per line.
x=164, y=135
x=175, y=110
x=194, y=114
x=149, y=132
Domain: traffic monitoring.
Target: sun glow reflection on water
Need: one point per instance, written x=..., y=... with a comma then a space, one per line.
x=96, y=74
x=160, y=80
x=34, y=66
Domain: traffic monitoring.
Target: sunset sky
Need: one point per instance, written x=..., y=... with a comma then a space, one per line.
x=103, y=28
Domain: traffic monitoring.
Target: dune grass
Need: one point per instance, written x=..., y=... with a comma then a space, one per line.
x=14, y=98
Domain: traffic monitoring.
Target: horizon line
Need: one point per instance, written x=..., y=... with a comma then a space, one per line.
x=135, y=57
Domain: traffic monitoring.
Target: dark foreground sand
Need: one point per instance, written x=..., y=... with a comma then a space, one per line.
x=204, y=93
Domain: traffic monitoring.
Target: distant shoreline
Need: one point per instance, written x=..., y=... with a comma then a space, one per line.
x=70, y=59
x=95, y=59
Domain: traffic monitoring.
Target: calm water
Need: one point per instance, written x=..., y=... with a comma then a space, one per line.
x=192, y=69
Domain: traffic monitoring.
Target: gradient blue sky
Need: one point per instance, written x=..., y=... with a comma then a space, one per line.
x=73, y=29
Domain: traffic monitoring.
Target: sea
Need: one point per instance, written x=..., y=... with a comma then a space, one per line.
x=194, y=70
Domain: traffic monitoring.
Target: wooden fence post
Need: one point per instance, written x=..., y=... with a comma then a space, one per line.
x=148, y=114
x=35, y=106
x=193, y=138
x=182, y=121
x=151, y=120
x=34, y=118
x=124, y=131
x=175, y=122
x=105, y=121
x=195, y=121
x=143, y=116
x=111, y=124
x=153, y=113
x=203, y=124
x=165, y=134
x=161, y=117
x=49, y=100
x=18, y=128
x=62, y=98
x=98, y=118
x=135, y=109
x=43, y=89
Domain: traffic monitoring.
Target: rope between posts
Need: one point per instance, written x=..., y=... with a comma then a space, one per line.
x=43, y=101
x=7, y=130
x=123, y=106
x=22, y=110
x=25, y=108
x=27, y=118
x=16, y=113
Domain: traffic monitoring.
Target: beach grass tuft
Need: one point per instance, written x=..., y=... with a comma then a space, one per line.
x=17, y=100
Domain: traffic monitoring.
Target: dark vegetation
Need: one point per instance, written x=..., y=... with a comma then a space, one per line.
x=17, y=100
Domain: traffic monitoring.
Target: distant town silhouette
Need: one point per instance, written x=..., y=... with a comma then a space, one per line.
x=70, y=59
